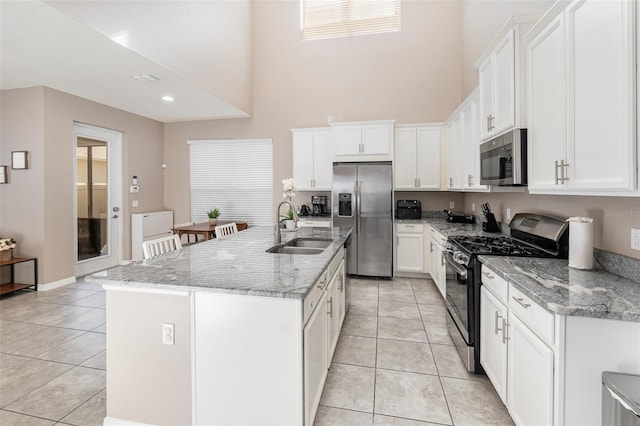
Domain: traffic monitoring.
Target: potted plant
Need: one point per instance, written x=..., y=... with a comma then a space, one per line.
x=6, y=248
x=213, y=216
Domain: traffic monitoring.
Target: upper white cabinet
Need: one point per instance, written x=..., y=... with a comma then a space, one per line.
x=363, y=141
x=501, y=77
x=463, y=147
x=417, y=157
x=312, y=159
x=581, y=132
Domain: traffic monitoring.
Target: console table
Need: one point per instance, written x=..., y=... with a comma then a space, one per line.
x=12, y=285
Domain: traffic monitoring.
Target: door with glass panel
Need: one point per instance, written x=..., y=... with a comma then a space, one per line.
x=98, y=194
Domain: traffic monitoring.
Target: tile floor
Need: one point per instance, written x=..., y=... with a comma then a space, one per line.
x=52, y=357
x=394, y=362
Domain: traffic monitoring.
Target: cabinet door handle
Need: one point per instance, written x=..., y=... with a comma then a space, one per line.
x=520, y=300
x=505, y=331
x=495, y=327
x=563, y=169
x=488, y=122
x=442, y=259
x=488, y=275
x=556, y=172
x=450, y=182
x=431, y=247
x=418, y=182
x=330, y=307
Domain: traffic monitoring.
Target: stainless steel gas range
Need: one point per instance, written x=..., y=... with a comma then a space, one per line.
x=532, y=235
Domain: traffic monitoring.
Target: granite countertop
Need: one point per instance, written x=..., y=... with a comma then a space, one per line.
x=566, y=291
x=238, y=264
x=449, y=229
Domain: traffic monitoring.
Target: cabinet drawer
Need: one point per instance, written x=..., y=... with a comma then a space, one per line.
x=409, y=228
x=306, y=223
x=497, y=285
x=313, y=297
x=437, y=236
x=533, y=315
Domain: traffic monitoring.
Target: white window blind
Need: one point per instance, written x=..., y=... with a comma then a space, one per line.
x=339, y=18
x=235, y=176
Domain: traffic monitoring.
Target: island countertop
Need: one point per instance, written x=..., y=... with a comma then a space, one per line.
x=238, y=264
x=566, y=291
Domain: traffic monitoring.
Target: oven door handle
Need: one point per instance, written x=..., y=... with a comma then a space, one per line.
x=456, y=267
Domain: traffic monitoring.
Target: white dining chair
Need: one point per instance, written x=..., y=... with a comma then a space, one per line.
x=223, y=231
x=153, y=248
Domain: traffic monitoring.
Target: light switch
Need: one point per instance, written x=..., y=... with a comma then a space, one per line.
x=134, y=189
x=134, y=203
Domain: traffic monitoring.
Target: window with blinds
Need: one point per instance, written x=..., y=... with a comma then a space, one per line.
x=340, y=18
x=235, y=176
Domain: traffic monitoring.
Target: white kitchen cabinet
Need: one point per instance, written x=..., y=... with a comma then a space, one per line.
x=581, y=99
x=438, y=263
x=316, y=361
x=493, y=343
x=363, y=141
x=417, y=157
x=530, y=376
x=501, y=78
x=463, y=147
x=312, y=159
x=409, y=247
x=335, y=304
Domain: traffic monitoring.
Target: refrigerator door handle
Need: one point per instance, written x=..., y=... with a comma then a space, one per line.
x=358, y=210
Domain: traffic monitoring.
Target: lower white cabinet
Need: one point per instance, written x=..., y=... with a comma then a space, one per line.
x=438, y=263
x=409, y=246
x=493, y=341
x=529, y=376
x=336, y=309
x=315, y=359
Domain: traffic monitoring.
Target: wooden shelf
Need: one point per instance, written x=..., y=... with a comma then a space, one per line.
x=14, y=286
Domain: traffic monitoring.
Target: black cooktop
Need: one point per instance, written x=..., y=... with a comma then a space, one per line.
x=501, y=246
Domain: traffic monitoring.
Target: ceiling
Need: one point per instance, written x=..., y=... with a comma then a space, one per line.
x=91, y=50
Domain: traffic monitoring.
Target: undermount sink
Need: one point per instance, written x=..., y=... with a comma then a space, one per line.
x=280, y=249
x=301, y=246
x=321, y=243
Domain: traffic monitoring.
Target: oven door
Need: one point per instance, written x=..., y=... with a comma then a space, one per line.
x=457, y=292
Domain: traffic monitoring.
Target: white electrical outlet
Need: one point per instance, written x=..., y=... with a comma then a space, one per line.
x=508, y=214
x=635, y=238
x=452, y=204
x=473, y=207
x=168, y=334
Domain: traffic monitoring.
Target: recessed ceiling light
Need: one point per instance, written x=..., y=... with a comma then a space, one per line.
x=145, y=77
x=167, y=98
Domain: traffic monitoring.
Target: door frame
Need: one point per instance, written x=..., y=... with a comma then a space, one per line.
x=115, y=198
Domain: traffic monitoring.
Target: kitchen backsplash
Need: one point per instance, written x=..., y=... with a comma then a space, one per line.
x=617, y=264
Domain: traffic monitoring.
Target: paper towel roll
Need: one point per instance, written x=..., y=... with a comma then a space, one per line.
x=580, y=242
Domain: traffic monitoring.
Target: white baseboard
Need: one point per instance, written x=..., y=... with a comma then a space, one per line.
x=411, y=274
x=56, y=284
x=110, y=421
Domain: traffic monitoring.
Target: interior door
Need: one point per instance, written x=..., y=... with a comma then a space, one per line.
x=98, y=195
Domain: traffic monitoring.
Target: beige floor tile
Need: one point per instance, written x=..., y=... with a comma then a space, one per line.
x=397, y=295
x=400, y=310
x=450, y=364
x=329, y=416
x=97, y=300
x=380, y=420
x=97, y=361
x=428, y=297
x=17, y=382
x=350, y=387
x=422, y=284
x=91, y=413
x=433, y=313
x=8, y=362
x=359, y=325
x=356, y=350
x=78, y=349
x=100, y=329
x=368, y=293
x=26, y=311
x=18, y=331
x=86, y=321
x=437, y=333
x=59, y=316
x=82, y=285
x=411, y=396
x=363, y=307
x=40, y=342
x=363, y=283
x=62, y=296
x=401, y=329
x=62, y=395
x=7, y=418
x=474, y=402
x=405, y=356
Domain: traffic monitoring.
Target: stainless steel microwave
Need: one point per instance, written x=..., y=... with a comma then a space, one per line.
x=503, y=159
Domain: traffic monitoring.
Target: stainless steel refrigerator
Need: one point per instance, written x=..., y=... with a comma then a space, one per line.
x=362, y=200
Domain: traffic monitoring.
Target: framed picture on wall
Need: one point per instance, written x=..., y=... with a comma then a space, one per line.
x=19, y=160
x=3, y=174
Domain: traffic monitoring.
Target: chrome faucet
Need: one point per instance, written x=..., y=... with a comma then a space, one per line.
x=277, y=239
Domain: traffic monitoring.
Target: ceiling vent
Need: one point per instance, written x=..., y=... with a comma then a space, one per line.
x=144, y=77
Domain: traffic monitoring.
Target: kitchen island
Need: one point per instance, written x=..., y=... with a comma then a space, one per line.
x=223, y=332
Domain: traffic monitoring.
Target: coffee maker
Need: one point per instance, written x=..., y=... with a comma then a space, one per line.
x=319, y=206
